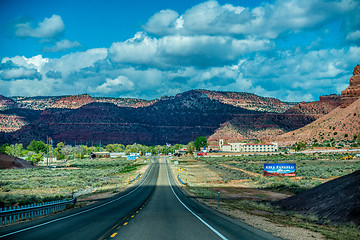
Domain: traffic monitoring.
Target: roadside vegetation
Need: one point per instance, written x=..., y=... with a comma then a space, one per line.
x=311, y=170
x=244, y=188
x=65, y=179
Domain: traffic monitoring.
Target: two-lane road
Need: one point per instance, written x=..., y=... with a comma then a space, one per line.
x=155, y=208
x=90, y=222
x=171, y=215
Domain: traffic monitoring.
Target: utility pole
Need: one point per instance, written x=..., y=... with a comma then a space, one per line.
x=100, y=146
x=47, y=151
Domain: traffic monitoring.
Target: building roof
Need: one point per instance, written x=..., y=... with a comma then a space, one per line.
x=268, y=144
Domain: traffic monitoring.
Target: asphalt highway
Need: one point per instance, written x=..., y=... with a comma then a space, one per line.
x=155, y=208
x=90, y=222
x=169, y=214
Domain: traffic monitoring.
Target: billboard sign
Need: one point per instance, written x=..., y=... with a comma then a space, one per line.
x=280, y=169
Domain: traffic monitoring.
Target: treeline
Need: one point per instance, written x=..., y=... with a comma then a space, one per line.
x=38, y=150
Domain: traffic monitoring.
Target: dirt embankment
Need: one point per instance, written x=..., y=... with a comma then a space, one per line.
x=10, y=162
x=337, y=200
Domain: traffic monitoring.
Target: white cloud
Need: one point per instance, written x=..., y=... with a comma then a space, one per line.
x=62, y=46
x=36, y=62
x=119, y=84
x=76, y=61
x=162, y=21
x=209, y=46
x=266, y=21
x=177, y=51
x=48, y=28
x=353, y=36
x=19, y=73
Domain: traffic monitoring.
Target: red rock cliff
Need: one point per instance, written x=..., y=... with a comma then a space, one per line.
x=352, y=93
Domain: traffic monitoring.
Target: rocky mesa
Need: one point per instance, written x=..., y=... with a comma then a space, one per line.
x=341, y=123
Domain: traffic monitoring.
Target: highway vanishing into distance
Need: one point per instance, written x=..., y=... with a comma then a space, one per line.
x=155, y=208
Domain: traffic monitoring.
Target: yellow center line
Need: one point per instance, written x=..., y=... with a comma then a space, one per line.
x=113, y=235
x=137, y=211
x=125, y=223
x=132, y=216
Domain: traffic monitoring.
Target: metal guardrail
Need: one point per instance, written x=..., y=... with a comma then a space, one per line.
x=134, y=178
x=13, y=214
x=178, y=177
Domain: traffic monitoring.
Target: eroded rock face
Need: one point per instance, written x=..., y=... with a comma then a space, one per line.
x=352, y=93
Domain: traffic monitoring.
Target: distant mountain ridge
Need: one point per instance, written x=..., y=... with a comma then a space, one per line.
x=238, y=99
x=175, y=119
x=74, y=101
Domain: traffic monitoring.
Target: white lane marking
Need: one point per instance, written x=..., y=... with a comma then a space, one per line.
x=75, y=214
x=206, y=224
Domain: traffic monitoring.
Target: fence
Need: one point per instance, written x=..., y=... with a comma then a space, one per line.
x=13, y=214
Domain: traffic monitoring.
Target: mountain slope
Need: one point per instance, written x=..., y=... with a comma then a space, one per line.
x=172, y=119
x=249, y=101
x=7, y=103
x=336, y=200
x=341, y=123
x=318, y=108
x=175, y=119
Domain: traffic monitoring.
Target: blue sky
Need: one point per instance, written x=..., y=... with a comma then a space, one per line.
x=294, y=50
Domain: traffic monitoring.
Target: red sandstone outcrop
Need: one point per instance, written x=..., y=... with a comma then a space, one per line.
x=342, y=123
x=73, y=102
x=317, y=109
x=352, y=93
x=249, y=101
x=6, y=103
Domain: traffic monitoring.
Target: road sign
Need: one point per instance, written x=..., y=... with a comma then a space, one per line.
x=180, y=169
x=280, y=169
x=176, y=162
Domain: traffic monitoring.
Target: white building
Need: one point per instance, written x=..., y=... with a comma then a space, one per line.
x=247, y=147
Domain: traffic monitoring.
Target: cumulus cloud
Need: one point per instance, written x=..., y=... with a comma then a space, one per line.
x=162, y=23
x=62, y=46
x=119, y=84
x=177, y=51
x=268, y=20
x=76, y=61
x=281, y=49
x=19, y=73
x=36, y=62
x=54, y=75
x=49, y=28
x=353, y=36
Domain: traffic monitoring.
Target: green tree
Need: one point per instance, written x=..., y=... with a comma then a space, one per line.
x=57, y=151
x=299, y=146
x=34, y=157
x=37, y=146
x=67, y=150
x=3, y=147
x=200, y=142
x=14, y=150
x=190, y=147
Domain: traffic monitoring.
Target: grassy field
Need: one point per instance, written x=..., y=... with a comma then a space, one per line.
x=62, y=180
x=311, y=170
x=243, y=188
